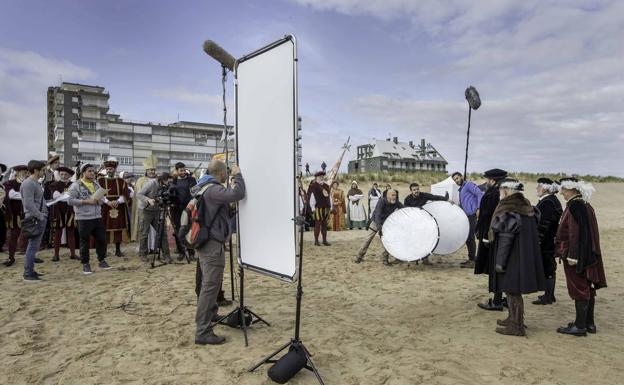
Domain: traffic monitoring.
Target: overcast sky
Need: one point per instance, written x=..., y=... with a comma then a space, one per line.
x=550, y=73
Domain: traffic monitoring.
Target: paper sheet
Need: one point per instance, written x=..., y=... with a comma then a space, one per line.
x=61, y=198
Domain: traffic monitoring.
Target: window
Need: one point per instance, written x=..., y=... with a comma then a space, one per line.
x=86, y=124
x=75, y=111
x=74, y=99
x=74, y=122
x=125, y=160
x=201, y=156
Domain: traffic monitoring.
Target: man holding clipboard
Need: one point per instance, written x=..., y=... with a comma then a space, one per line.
x=87, y=197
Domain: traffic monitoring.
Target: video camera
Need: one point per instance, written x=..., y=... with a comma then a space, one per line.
x=166, y=195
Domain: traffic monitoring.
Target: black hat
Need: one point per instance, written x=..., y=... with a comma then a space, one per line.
x=545, y=181
x=20, y=167
x=320, y=173
x=3, y=167
x=495, y=173
x=66, y=169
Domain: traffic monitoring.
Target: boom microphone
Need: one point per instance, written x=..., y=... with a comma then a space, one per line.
x=472, y=96
x=219, y=54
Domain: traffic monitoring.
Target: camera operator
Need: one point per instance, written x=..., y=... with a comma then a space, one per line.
x=153, y=197
x=215, y=199
x=183, y=183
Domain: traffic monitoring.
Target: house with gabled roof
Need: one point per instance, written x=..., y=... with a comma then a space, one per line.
x=390, y=155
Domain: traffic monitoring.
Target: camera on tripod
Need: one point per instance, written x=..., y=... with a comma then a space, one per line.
x=166, y=195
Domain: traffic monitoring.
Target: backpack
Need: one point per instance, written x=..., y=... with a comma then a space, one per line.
x=193, y=233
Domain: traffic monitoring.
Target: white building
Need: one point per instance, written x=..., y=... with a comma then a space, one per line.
x=80, y=128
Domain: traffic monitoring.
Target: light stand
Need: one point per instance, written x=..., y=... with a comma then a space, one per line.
x=227, y=167
x=295, y=343
x=242, y=310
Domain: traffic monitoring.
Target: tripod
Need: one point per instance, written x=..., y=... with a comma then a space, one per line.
x=161, y=236
x=242, y=310
x=295, y=343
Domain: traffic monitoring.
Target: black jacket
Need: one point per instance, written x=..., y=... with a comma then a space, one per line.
x=550, y=214
x=515, y=248
x=383, y=211
x=486, y=210
x=183, y=190
x=421, y=199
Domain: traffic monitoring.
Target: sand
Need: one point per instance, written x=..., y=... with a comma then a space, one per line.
x=365, y=324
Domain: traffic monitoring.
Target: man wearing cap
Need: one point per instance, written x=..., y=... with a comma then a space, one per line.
x=183, y=183
x=62, y=214
x=52, y=166
x=470, y=196
x=88, y=212
x=484, y=262
x=114, y=210
x=14, y=213
x=515, y=253
x=320, y=205
x=550, y=213
x=578, y=246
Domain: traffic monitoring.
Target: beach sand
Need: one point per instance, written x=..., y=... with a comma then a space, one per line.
x=364, y=323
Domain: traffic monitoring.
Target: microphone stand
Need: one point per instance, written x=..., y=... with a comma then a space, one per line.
x=467, y=142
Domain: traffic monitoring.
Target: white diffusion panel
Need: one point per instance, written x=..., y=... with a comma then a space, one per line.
x=453, y=225
x=266, y=129
x=410, y=234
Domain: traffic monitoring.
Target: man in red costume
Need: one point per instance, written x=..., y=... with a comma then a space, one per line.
x=114, y=210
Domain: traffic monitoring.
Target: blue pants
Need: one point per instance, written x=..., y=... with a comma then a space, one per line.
x=32, y=248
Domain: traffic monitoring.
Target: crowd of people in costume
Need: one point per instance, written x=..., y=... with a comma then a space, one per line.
x=514, y=243
x=517, y=245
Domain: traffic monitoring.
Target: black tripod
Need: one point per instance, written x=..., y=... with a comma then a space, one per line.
x=161, y=236
x=295, y=343
x=242, y=310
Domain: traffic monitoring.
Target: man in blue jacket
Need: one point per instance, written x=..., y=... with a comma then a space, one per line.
x=469, y=199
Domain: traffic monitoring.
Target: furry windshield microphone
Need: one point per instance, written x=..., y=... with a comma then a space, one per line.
x=219, y=54
x=472, y=96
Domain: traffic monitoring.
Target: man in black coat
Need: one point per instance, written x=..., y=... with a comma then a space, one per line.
x=515, y=253
x=183, y=183
x=486, y=210
x=550, y=213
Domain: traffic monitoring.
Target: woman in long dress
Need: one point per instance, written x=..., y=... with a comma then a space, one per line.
x=339, y=210
x=356, y=211
x=374, y=195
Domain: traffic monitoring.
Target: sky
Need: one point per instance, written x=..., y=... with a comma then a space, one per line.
x=549, y=72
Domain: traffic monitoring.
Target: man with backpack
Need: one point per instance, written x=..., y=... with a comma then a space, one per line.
x=215, y=217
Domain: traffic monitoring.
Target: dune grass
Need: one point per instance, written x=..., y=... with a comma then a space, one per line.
x=430, y=177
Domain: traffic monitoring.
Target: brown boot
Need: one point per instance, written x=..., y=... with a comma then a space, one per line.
x=515, y=322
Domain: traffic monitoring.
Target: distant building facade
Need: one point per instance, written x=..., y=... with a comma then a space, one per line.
x=390, y=155
x=80, y=128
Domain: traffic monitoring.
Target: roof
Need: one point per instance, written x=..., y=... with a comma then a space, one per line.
x=402, y=150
